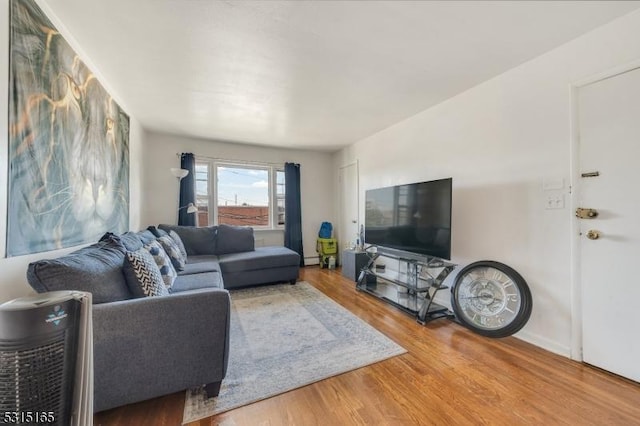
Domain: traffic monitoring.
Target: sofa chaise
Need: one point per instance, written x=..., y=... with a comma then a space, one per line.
x=145, y=347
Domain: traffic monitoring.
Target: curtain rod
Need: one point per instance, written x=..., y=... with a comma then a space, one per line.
x=234, y=161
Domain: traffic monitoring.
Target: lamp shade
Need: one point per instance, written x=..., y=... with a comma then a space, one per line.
x=179, y=173
x=191, y=208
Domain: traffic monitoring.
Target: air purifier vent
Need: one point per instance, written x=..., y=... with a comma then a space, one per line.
x=31, y=378
x=46, y=358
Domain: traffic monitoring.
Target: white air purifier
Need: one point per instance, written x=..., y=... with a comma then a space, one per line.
x=46, y=359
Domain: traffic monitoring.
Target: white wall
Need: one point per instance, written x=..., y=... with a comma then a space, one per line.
x=13, y=282
x=499, y=141
x=161, y=189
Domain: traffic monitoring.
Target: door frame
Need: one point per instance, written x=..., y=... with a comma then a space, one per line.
x=575, y=188
x=340, y=182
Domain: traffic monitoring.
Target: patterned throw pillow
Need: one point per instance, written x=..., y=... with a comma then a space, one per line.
x=156, y=231
x=164, y=263
x=173, y=234
x=143, y=275
x=171, y=248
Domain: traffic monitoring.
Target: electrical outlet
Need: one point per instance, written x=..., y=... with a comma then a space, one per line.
x=554, y=201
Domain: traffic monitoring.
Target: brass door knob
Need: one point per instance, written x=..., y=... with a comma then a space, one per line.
x=592, y=234
x=583, y=213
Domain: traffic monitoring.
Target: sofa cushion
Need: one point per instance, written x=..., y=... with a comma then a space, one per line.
x=260, y=258
x=203, y=258
x=164, y=263
x=179, y=243
x=200, y=267
x=110, y=236
x=96, y=269
x=171, y=248
x=156, y=231
x=143, y=275
x=146, y=236
x=260, y=276
x=131, y=241
x=234, y=239
x=195, y=281
x=196, y=240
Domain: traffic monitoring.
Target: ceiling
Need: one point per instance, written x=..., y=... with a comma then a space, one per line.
x=311, y=74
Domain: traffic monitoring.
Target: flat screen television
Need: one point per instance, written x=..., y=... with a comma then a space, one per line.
x=415, y=217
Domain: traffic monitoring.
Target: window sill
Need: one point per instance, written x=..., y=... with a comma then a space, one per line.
x=259, y=230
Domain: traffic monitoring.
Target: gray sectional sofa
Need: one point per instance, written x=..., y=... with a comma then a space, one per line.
x=152, y=346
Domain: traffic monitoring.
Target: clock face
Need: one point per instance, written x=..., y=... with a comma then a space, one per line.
x=488, y=298
x=491, y=298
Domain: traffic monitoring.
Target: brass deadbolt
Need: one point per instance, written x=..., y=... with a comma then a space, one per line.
x=592, y=234
x=586, y=213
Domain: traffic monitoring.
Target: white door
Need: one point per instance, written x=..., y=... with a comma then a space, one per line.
x=348, y=205
x=609, y=144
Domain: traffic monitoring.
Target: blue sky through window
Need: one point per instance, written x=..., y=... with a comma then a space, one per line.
x=236, y=185
x=241, y=186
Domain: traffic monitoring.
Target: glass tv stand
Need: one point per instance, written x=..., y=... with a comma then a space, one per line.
x=408, y=281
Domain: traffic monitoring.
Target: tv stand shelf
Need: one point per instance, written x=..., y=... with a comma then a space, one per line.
x=411, y=286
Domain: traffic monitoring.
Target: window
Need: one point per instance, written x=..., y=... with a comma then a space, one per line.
x=202, y=193
x=239, y=194
x=280, y=188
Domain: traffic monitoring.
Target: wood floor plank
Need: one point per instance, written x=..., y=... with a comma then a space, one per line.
x=449, y=376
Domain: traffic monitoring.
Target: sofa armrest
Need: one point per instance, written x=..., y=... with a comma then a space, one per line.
x=152, y=346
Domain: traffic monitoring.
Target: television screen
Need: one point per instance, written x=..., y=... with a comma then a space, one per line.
x=414, y=217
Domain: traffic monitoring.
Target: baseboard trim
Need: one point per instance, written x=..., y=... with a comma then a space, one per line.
x=308, y=261
x=444, y=298
x=544, y=343
x=534, y=339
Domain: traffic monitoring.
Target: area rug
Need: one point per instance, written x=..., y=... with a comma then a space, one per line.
x=284, y=337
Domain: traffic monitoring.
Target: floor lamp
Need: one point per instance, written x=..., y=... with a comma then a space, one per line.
x=191, y=208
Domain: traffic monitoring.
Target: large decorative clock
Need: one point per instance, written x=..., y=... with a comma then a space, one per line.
x=491, y=299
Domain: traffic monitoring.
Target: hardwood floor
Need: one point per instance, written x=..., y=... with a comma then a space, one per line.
x=449, y=376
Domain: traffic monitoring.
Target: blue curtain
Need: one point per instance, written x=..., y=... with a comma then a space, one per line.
x=187, y=190
x=293, y=210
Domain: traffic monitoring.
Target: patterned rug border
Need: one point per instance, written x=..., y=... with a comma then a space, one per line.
x=195, y=393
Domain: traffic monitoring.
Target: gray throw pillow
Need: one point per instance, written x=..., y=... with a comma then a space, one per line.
x=129, y=240
x=161, y=258
x=234, y=239
x=156, y=231
x=171, y=248
x=143, y=275
x=110, y=236
x=179, y=243
x=146, y=236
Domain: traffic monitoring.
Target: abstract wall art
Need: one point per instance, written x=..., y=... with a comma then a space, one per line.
x=68, y=143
